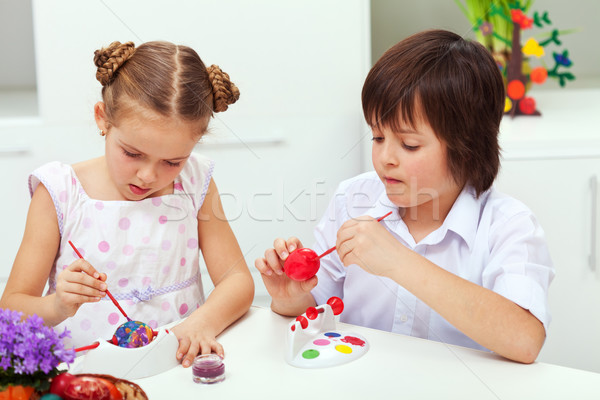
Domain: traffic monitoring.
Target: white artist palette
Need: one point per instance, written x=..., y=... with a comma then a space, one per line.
x=314, y=342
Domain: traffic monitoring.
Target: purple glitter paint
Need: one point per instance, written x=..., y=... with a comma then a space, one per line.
x=208, y=368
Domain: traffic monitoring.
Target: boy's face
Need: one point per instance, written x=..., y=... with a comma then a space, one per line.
x=413, y=167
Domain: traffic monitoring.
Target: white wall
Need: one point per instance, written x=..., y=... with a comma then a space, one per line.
x=280, y=151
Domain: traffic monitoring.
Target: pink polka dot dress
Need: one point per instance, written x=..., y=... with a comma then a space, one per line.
x=148, y=249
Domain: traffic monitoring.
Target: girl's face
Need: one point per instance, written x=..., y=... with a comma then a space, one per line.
x=144, y=155
x=412, y=166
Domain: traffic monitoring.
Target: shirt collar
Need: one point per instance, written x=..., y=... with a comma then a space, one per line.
x=462, y=219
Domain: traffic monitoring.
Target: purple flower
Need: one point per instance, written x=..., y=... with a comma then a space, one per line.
x=18, y=367
x=5, y=363
x=28, y=347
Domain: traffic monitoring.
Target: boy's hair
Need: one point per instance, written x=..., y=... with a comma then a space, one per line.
x=162, y=77
x=455, y=86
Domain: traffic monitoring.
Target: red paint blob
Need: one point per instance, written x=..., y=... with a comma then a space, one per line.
x=353, y=340
x=337, y=305
x=301, y=264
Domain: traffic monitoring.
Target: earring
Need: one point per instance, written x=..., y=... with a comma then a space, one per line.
x=102, y=133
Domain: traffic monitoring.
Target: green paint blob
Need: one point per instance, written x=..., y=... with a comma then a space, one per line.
x=308, y=354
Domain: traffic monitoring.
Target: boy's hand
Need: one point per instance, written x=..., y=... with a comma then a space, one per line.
x=278, y=284
x=79, y=283
x=365, y=242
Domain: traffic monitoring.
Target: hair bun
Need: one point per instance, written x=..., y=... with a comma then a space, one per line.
x=224, y=91
x=110, y=59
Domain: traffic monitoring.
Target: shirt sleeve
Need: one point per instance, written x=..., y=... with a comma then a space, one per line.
x=196, y=177
x=57, y=180
x=520, y=267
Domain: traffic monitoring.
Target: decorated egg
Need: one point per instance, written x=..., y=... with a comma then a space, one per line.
x=87, y=388
x=51, y=396
x=60, y=382
x=302, y=264
x=133, y=334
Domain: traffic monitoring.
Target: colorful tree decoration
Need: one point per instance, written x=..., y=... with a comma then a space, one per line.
x=498, y=25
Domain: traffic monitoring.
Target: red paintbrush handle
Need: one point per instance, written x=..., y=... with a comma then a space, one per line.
x=107, y=292
x=117, y=304
x=327, y=252
x=88, y=347
x=380, y=218
x=75, y=248
x=333, y=248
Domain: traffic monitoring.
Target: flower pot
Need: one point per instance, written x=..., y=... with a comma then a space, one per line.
x=16, y=393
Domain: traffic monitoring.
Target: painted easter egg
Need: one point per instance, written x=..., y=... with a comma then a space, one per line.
x=301, y=264
x=133, y=334
x=60, y=382
x=88, y=388
x=51, y=396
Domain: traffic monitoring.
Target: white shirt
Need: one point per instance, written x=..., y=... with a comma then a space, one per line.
x=493, y=241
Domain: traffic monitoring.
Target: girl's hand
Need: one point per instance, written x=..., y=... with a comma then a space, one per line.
x=277, y=283
x=365, y=242
x=195, y=338
x=79, y=283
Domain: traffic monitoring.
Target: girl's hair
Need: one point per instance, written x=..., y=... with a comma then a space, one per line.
x=162, y=77
x=455, y=86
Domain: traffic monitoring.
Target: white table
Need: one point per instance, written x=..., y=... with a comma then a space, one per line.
x=396, y=366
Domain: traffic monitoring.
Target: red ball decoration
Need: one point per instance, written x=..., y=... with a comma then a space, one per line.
x=527, y=105
x=303, y=321
x=538, y=75
x=515, y=89
x=301, y=264
x=312, y=313
x=336, y=304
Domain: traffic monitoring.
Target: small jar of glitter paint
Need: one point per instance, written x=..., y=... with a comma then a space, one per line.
x=208, y=368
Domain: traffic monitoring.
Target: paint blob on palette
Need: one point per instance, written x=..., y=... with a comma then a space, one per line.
x=314, y=342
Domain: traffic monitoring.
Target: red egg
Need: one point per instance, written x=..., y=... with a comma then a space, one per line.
x=301, y=264
x=60, y=382
x=91, y=388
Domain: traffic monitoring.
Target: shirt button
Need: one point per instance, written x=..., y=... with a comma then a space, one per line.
x=404, y=318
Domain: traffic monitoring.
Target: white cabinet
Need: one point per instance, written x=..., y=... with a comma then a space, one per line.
x=559, y=193
x=552, y=164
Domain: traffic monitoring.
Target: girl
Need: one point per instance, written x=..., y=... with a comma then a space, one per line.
x=140, y=213
x=457, y=261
